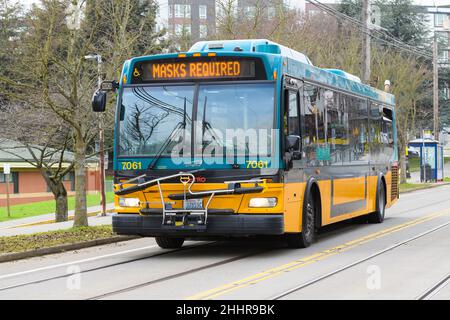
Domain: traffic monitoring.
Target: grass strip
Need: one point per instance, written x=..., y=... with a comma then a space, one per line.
x=413, y=186
x=48, y=206
x=22, y=243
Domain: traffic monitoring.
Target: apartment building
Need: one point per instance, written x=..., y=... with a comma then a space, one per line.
x=438, y=20
x=194, y=18
x=267, y=8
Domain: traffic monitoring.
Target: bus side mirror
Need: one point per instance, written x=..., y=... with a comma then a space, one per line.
x=99, y=101
x=293, y=146
x=122, y=113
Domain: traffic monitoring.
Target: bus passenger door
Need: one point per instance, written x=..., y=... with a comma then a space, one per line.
x=293, y=188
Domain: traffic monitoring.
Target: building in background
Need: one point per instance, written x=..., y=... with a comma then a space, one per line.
x=311, y=9
x=264, y=8
x=194, y=18
x=438, y=19
x=198, y=18
x=26, y=183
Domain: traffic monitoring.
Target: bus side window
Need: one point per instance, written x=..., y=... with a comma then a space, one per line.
x=337, y=127
x=387, y=132
x=293, y=114
x=375, y=135
x=314, y=139
x=358, y=129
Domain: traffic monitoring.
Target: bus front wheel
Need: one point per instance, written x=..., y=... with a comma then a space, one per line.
x=305, y=238
x=169, y=243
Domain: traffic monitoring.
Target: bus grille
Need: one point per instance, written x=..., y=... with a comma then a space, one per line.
x=394, y=183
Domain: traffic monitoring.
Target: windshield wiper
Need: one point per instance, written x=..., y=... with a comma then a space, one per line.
x=207, y=125
x=180, y=126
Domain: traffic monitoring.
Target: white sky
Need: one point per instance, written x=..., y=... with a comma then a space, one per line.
x=27, y=3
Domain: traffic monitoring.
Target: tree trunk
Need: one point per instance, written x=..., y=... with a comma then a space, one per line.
x=61, y=212
x=56, y=186
x=80, y=184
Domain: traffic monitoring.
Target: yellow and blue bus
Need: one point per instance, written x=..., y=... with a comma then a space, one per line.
x=240, y=138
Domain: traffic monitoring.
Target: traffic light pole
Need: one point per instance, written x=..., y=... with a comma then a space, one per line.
x=101, y=143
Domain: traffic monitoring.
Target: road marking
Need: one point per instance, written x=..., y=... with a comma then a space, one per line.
x=316, y=257
x=348, y=266
x=430, y=293
x=76, y=262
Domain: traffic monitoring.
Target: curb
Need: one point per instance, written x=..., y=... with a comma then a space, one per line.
x=62, y=248
x=427, y=187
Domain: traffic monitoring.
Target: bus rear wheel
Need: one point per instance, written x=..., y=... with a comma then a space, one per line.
x=305, y=238
x=378, y=216
x=169, y=243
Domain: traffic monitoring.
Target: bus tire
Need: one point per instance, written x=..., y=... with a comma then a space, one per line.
x=169, y=243
x=378, y=216
x=305, y=238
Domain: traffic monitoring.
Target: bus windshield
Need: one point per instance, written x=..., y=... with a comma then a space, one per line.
x=156, y=120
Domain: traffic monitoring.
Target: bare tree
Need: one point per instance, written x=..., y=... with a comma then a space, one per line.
x=407, y=75
x=37, y=139
x=50, y=71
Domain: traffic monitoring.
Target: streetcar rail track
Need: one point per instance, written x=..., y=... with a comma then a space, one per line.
x=435, y=289
x=351, y=265
x=157, y=254
x=177, y=275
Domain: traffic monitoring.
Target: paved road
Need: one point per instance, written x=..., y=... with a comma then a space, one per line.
x=406, y=257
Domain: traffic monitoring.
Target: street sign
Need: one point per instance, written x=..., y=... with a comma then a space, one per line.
x=6, y=168
x=109, y=86
x=7, y=172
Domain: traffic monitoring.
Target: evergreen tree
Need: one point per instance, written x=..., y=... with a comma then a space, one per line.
x=352, y=8
x=10, y=28
x=401, y=18
x=404, y=21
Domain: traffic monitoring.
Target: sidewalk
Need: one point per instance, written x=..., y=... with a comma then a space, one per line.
x=43, y=222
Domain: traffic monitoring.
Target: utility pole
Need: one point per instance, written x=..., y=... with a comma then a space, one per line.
x=101, y=134
x=435, y=89
x=101, y=138
x=365, y=14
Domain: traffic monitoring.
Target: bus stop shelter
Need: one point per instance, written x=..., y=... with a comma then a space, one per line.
x=431, y=155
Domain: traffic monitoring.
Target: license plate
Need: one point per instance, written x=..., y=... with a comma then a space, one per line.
x=193, y=204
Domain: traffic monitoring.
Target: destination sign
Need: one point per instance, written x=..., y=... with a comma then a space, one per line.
x=199, y=68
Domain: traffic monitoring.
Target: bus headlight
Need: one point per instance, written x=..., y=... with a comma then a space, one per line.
x=129, y=202
x=262, y=202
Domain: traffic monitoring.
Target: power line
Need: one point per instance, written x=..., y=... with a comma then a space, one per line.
x=399, y=44
x=361, y=27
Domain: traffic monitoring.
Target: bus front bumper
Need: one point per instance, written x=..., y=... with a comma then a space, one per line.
x=217, y=225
